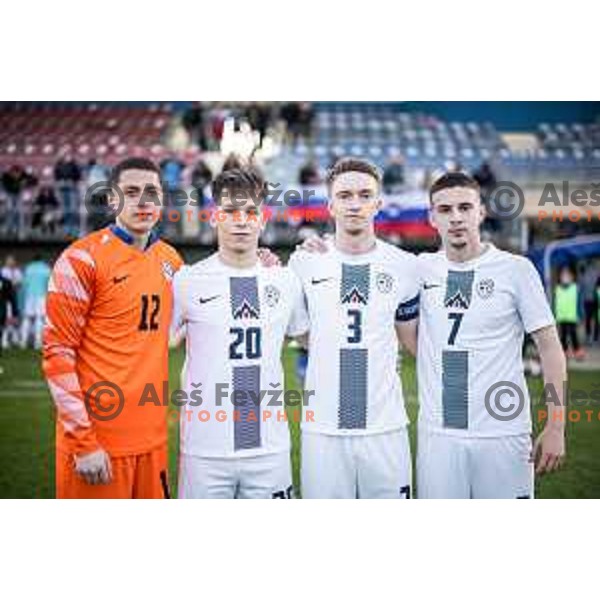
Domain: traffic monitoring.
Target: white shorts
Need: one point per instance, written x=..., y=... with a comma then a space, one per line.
x=35, y=307
x=356, y=466
x=459, y=467
x=256, y=477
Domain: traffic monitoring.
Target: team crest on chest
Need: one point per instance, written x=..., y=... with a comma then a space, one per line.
x=168, y=270
x=485, y=288
x=384, y=282
x=272, y=295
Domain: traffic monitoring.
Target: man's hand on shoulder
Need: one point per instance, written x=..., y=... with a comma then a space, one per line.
x=315, y=244
x=268, y=258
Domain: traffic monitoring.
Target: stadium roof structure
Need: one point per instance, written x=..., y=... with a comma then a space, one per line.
x=563, y=253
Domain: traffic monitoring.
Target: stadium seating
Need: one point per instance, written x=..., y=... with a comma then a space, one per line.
x=34, y=134
x=381, y=132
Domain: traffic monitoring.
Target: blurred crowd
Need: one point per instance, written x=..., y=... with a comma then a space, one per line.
x=33, y=205
x=73, y=202
x=204, y=121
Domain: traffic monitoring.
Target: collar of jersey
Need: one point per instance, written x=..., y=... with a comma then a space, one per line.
x=356, y=258
x=488, y=253
x=126, y=237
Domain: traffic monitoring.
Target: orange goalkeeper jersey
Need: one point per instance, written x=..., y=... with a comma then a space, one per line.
x=106, y=342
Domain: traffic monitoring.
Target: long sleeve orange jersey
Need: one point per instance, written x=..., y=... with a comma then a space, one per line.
x=109, y=309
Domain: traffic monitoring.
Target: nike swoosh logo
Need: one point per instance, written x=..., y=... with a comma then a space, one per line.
x=120, y=279
x=317, y=281
x=428, y=286
x=205, y=300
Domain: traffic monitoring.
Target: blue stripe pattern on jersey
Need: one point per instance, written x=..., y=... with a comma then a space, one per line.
x=455, y=388
x=246, y=430
x=352, y=409
x=245, y=305
x=355, y=284
x=459, y=289
x=244, y=298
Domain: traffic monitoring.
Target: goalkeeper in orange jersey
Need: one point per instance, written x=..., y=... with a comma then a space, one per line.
x=106, y=340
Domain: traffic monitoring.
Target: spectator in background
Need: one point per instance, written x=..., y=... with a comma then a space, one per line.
x=46, y=213
x=393, y=176
x=306, y=116
x=289, y=115
x=15, y=181
x=259, y=115
x=201, y=178
x=194, y=122
x=98, y=213
x=568, y=312
x=486, y=179
x=309, y=174
x=171, y=172
x=9, y=310
x=96, y=173
x=67, y=175
x=13, y=273
x=35, y=290
x=216, y=124
x=298, y=118
x=589, y=279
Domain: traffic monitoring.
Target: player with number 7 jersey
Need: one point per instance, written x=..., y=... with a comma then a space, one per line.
x=105, y=353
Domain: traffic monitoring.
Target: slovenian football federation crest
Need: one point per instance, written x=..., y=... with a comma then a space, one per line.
x=272, y=295
x=485, y=288
x=168, y=270
x=384, y=282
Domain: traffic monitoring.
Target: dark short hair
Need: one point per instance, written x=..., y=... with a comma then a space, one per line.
x=453, y=179
x=352, y=164
x=243, y=180
x=138, y=163
x=233, y=161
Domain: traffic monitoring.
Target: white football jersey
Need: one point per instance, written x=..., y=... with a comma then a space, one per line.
x=473, y=317
x=235, y=322
x=354, y=302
